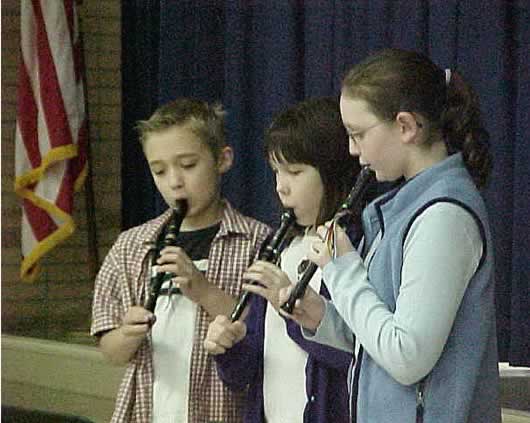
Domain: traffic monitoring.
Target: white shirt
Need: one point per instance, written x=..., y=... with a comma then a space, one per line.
x=284, y=362
x=172, y=337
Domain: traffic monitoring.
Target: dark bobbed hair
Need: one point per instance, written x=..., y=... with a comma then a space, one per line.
x=203, y=119
x=394, y=81
x=312, y=133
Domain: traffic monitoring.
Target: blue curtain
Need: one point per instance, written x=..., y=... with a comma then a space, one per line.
x=140, y=46
x=260, y=56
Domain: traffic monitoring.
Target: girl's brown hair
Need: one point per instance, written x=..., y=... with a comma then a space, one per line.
x=312, y=133
x=393, y=81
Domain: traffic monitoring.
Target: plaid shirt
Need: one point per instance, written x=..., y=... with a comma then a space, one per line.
x=122, y=282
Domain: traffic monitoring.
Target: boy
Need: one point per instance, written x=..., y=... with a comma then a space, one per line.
x=169, y=376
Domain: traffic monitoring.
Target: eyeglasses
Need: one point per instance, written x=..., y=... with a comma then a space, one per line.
x=356, y=137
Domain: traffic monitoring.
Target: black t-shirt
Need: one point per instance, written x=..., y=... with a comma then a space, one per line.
x=196, y=244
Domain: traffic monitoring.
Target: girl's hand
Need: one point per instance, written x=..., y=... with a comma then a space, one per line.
x=188, y=278
x=308, y=311
x=271, y=278
x=342, y=242
x=223, y=334
x=319, y=251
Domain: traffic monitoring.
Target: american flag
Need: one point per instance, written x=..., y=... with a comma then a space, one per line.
x=51, y=131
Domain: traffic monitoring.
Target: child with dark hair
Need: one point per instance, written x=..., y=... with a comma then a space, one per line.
x=419, y=298
x=289, y=378
x=169, y=375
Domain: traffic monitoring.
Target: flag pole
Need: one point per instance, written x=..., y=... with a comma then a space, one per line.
x=90, y=206
x=93, y=254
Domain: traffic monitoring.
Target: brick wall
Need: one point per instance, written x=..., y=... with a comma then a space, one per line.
x=58, y=304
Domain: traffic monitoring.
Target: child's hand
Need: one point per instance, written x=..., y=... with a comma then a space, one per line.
x=136, y=322
x=120, y=345
x=342, y=242
x=188, y=278
x=308, y=311
x=320, y=253
x=271, y=278
x=223, y=334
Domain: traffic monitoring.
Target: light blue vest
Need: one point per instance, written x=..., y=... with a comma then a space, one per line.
x=463, y=385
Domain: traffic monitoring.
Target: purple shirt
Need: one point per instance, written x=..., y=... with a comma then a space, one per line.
x=326, y=370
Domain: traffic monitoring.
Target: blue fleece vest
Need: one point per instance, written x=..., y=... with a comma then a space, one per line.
x=463, y=385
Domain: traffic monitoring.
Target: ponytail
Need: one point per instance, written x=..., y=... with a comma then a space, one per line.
x=398, y=80
x=463, y=131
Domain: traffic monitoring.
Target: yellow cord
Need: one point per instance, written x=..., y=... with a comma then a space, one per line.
x=329, y=239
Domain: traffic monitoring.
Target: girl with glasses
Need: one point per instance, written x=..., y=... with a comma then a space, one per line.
x=419, y=296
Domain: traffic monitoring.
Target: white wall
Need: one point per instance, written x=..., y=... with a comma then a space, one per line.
x=58, y=377
x=74, y=379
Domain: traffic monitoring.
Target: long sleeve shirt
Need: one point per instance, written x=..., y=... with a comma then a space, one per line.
x=326, y=369
x=421, y=302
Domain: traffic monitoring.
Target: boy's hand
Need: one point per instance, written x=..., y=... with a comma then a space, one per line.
x=223, y=334
x=308, y=311
x=188, y=278
x=120, y=345
x=136, y=322
x=271, y=279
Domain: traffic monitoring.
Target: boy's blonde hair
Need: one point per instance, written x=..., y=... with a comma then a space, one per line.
x=203, y=119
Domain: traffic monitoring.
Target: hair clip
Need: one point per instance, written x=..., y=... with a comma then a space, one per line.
x=447, y=76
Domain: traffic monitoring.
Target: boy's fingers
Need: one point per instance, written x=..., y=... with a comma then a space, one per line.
x=181, y=281
x=137, y=315
x=135, y=329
